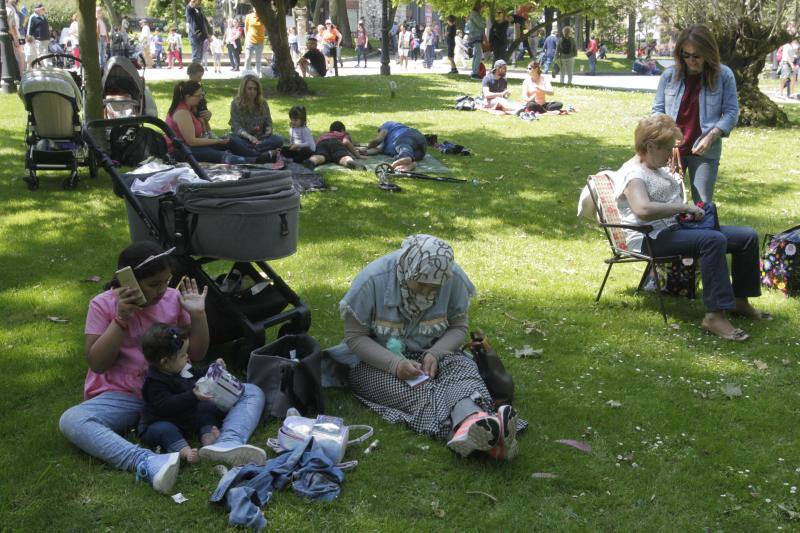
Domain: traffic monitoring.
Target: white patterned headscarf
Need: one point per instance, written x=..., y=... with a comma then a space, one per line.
x=425, y=259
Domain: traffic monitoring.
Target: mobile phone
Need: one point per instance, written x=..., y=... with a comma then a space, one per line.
x=127, y=279
x=417, y=381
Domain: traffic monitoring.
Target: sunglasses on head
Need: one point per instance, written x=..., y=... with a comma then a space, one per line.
x=153, y=258
x=696, y=57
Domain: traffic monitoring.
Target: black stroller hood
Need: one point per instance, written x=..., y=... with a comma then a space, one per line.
x=121, y=77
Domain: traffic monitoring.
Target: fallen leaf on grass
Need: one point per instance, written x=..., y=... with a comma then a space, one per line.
x=501, y=176
x=529, y=326
x=614, y=403
x=527, y=351
x=481, y=493
x=488, y=159
x=760, y=365
x=437, y=512
x=585, y=447
x=786, y=362
x=731, y=391
x=569, y=271
x=93, y=279
x=793, y=515
x=675, y=326
x=543, y=475
x=57, y=320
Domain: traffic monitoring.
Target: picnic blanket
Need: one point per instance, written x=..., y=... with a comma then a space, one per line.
x=428, y=165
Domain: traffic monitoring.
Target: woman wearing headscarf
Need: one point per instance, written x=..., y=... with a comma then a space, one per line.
x=405, y=317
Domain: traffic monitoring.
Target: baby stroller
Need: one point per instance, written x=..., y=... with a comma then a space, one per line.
x=54, y=101
x=229, y=227
x=124, y=90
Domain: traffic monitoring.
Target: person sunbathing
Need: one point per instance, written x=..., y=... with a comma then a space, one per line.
x=336, y=146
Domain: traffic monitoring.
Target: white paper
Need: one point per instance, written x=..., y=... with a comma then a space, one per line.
x=419, y=380
x=179, y=498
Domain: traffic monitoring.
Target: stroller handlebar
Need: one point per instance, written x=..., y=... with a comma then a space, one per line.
x=39, y=59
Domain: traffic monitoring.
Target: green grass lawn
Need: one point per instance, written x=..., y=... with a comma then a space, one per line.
x=677, y=455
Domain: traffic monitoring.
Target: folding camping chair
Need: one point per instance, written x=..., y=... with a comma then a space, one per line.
x=601, y=188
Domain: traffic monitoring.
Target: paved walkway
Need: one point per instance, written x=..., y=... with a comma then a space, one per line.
x=619, y=82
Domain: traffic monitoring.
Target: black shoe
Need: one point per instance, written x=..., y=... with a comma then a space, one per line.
x=454, y=71
x=270, y=156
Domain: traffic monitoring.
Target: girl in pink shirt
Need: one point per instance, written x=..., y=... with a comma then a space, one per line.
x=117, y=368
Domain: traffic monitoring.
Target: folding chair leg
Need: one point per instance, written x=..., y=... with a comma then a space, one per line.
x=658, y=291
x=602, y=285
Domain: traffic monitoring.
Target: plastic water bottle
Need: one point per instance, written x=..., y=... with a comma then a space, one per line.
x=392, y=88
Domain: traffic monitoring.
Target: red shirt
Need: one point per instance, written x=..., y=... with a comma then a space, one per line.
x=688, y=119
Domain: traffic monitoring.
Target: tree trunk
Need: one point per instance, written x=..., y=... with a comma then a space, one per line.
x=578, y=31
x=87, y=35
x=341, y=21
x=273, y=15
x=631, y=48
x=112, y=13
x=548, y=20
x=743, y=48
x=525, y=34
x=317, y=12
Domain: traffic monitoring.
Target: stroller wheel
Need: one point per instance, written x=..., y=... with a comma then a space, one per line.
x=70, y=182
x=31, y=181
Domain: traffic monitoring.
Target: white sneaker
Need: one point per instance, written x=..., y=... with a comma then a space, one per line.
x=236, y=456
x=161, y=476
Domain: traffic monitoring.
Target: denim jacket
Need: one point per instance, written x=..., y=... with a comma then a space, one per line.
x=374, y=301
x=719, y=108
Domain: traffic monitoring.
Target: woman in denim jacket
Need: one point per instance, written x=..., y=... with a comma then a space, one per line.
x=406, y=315
x=699, y=93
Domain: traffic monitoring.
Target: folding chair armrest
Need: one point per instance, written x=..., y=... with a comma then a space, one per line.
x=644, y=228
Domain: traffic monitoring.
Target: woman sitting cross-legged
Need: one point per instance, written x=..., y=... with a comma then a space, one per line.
x=535, y=90
x=405, y=316
x=648, y=193
x=182, y=119
x=251, y=120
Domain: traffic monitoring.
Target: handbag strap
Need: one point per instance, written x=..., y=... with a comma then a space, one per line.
x=368, y=431
x=675, y=163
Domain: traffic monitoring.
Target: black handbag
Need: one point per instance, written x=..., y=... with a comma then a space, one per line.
x=288, y=371
x=490, y=367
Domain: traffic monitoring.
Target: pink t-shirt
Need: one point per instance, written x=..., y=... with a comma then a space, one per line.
x=198, y=126
x=128, y=372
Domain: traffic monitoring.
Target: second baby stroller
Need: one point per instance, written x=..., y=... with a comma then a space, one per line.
x=53, y=136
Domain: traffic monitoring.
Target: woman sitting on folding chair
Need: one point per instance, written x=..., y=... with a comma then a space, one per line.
x=649, y=193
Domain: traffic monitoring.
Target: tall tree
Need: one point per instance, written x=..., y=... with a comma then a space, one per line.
x=87, y=35
x=342, y=21
x=272, y=14
x=630, y=49
x=746, y=31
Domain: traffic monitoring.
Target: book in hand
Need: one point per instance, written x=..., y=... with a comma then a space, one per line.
x=417, y=381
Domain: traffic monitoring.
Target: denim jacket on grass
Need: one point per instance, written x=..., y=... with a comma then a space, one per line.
x=719, y=108
x=374, y=301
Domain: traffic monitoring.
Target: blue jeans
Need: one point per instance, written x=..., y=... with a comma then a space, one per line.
x=171, y=438
x=95, y=426
x=702, y=176
x=547, y=62
x=710, y=247
x=197, y=48
x=592, y=63
x=361, y=51
x=430, y=51
x=411, y=144
x=250, y=51
x=101, y=51
x=233, y=56
x=477, y=56
x=271, y=142
x=219, y=154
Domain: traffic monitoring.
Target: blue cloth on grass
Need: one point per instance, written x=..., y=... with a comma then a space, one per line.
x=247, y=488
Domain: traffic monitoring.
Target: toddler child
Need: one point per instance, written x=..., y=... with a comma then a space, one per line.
x=216, y=51
x=301, y=143
x=336, y=146
x=173, y=406
x=29, y=50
